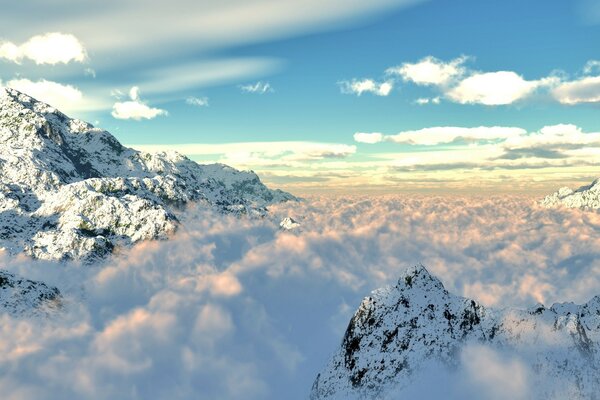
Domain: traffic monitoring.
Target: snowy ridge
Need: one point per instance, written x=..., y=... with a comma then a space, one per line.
x=72, y=191
x=587, y=197
x=398, y=329
x=20, y=297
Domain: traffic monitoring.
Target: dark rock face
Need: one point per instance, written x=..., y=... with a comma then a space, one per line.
x=398, y=329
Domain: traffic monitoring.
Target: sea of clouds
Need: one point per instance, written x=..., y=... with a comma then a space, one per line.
x=233, y=308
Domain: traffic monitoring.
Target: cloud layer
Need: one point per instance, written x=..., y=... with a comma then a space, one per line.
x=232, y=308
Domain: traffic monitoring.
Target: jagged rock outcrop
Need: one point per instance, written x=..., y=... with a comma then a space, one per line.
x=72, y=191
x=289, y=224
x=20, y=297
x=586, y=197
x=398, y=329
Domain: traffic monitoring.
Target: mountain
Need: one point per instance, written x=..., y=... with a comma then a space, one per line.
x=25, y=297
x=398, y=330
x=587, y=197
x=72, y=191
x=289, y=224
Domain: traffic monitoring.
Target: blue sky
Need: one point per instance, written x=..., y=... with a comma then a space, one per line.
x=267, y=72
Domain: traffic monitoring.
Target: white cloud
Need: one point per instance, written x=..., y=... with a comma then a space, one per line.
x=495, y=88
x=363, y=137
x=584, y=90
x=135, y=109
x=197, y=101
x=50, y=48
x=430, y=71
x=360, y=86
x=62, y=97
x=257, y=87
x=426, y=100
x=443, y=134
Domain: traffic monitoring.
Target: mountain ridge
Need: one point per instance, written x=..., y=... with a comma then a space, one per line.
x=585, y=197
x=398, y=329
x=69, y=190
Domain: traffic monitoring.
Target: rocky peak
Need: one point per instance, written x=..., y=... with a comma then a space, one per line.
x=72, y=191
x=399, y=329
x=585, y=197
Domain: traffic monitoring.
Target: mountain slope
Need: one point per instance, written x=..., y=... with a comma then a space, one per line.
x=72, y=191
x=587, y=197
x=20, y=297
x=398, y=329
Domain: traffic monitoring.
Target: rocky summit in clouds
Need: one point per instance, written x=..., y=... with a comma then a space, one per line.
x=586, y=197
x=72, y=191
x=398, y=330
x=24, y=297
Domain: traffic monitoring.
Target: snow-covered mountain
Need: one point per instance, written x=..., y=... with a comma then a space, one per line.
x=397, y=330
x=72, y=191
x=25, y=297
x=585, y=197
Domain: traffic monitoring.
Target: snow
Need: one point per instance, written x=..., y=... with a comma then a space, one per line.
x=586, y=197
x=72, y=191
x=399, y=329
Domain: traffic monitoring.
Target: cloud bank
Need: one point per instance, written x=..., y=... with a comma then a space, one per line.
x=231, y=308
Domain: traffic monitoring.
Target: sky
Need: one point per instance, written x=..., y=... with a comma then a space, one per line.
x=329, y=95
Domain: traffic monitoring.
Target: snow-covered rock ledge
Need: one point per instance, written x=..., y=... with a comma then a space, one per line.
x=586, y=197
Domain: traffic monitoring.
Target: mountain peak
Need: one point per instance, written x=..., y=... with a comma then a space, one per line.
x=398, y=331
x=69, y=190
x=585, y=197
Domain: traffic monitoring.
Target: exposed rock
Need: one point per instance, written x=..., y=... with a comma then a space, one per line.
x=398, y=329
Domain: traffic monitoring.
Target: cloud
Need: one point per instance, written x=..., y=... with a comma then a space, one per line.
x=425, y=100
x=50, y=48
x=258, y=87
x=430, y=71
x=197, y=101
x=584, y=90
x=360, y=86
x=63, y=97
x=495, y=88
x=259, y=153
x=591, y=66
x=234, y=308
x=135, y=109
x=442, y=135
x=374, y=137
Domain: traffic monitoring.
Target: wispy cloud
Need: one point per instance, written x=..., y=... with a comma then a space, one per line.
x=443, y=135
x=259, y=87
x=197, y=101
